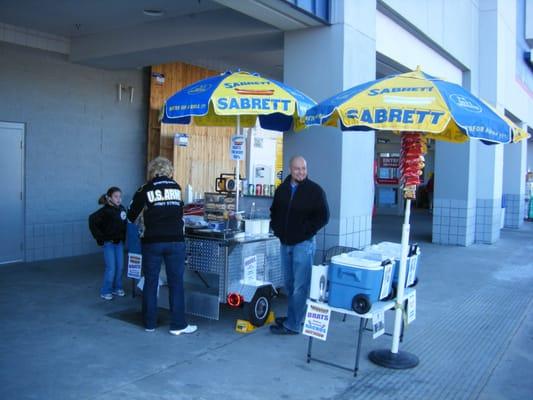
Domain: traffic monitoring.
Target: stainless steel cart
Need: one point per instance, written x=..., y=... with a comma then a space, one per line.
x=242, y=272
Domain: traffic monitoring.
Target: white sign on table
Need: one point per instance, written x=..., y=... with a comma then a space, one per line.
x=411, y=272
x=134, y=265
x=250, y=269
x=378, y=324
x=385, y=283
x=238, y=147
x=411, y=307
x=316, y=322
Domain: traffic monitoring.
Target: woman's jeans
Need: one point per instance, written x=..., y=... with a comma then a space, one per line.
x=297, y=261
x=174, y=255
x=114, y=265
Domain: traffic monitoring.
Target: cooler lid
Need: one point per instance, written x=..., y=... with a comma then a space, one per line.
x=387, y=249
x=357, y=259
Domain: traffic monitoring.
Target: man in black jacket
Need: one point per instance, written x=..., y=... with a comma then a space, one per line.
x=160, y=202
x=299, y=210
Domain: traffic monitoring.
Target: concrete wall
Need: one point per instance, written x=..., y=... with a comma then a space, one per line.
x=79, y=141
x=443, y=22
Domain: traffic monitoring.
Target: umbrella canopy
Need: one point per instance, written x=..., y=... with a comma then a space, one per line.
x=415, y=102
x=238, y=98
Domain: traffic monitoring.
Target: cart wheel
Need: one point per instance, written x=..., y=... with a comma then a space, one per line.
x=258, y=309
x=361, y=304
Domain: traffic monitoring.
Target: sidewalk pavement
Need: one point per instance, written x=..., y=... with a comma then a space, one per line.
x=473, y=335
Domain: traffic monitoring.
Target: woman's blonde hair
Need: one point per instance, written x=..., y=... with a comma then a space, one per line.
x=160, y=166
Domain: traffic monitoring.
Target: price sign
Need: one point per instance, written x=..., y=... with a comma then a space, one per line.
x=134, y=265
x=237, y=147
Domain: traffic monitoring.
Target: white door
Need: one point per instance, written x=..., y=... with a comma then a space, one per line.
x=12, y=184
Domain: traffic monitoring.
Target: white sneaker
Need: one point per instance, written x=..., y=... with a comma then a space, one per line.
x=149, y=329
x=119, y=293
x=107, y=296
x=187, y=329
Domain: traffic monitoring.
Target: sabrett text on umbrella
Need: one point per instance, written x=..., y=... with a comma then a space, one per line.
x=376, y=91
x=231, y=85
x=405, y=116
x=254, y=103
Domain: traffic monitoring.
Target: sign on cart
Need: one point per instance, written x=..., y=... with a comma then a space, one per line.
x=316, y=322
x=134, y=265
x=250, y=269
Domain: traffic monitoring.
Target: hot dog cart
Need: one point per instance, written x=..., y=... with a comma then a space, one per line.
x=242, y=271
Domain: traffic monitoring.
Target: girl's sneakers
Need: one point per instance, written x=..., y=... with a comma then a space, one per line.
x=107, y=296
x=119, y=293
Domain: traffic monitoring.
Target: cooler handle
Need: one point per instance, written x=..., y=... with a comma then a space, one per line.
x=342, y=272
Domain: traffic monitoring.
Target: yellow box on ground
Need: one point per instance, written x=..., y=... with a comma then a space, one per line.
x=243, y=326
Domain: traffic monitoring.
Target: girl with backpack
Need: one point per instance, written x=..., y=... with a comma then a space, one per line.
x=108, y=227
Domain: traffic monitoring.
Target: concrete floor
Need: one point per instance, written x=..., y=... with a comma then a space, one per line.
x=473, y=335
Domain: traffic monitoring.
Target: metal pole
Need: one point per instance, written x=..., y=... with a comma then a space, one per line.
x=395, y=358
x=401, y=279
x=238, y=169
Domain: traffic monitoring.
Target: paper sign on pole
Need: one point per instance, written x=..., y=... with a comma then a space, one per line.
x=134, y=265
x=411, y=307
x=378, y=324
x=250, y=269
x=237, y=147
x=385, y=284
x=316, y=322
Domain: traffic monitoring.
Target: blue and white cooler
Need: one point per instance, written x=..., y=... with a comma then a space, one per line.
x=392, y=251
x=357, y=280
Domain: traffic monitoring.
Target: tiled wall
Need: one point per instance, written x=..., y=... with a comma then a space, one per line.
x=514, y=210
x=488, y=220
x=350, y=232
x=453, y=222
x=65, y=239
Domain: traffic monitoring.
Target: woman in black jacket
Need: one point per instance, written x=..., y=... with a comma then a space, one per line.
x=108, y=227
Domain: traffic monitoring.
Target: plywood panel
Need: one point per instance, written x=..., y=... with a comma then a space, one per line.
x=207, y=154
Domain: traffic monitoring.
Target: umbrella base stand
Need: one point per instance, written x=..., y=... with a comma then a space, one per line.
x=388, y=359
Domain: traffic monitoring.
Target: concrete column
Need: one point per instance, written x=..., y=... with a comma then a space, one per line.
x=454, y=204
x=489, y=193
x=322, y=62
x=514, y=184
x=489, y=158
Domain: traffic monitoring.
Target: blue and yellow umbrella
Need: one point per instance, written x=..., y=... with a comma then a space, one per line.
x=408, y=103
x=414, y=102
x=238, y=99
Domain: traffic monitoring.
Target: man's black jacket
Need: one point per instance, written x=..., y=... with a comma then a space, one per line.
x=108, y=224
x=160, y=202
x=300, y=218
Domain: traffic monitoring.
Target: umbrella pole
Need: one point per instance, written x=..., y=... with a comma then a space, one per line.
x=395, y=358
x=237, y=169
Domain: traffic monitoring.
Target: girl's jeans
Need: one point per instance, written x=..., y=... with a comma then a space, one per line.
x=114, y=264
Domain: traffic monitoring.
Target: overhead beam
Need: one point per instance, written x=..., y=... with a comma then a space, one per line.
x=277, y=13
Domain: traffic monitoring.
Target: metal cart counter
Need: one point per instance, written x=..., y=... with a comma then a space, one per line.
x=240, y=271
